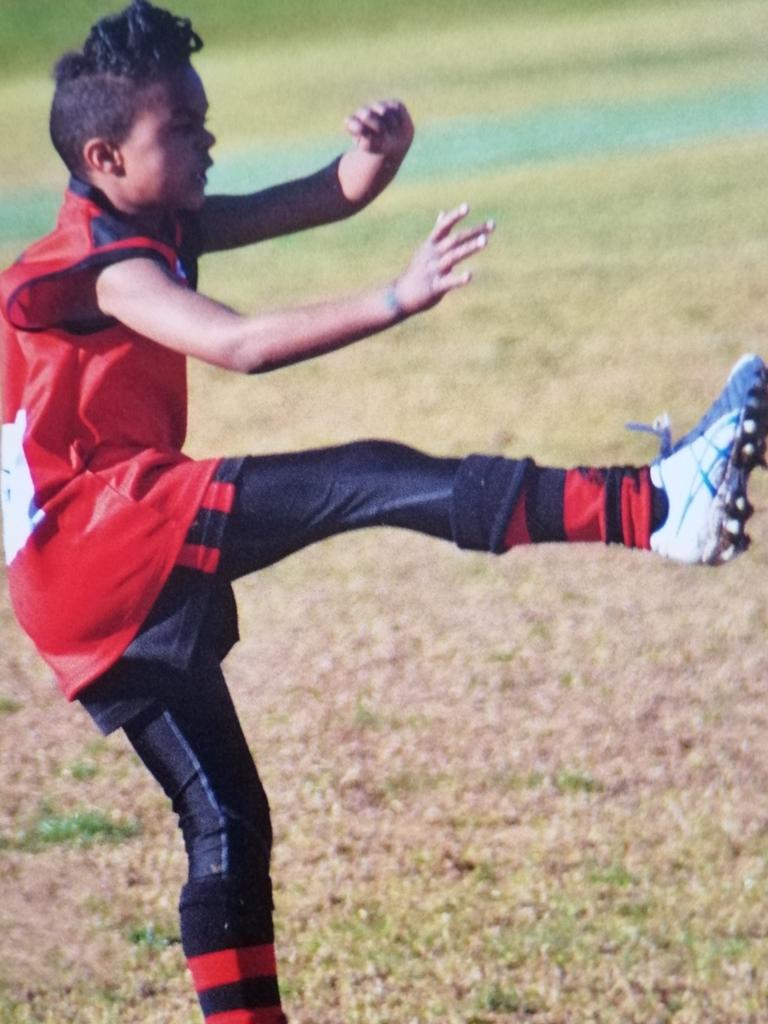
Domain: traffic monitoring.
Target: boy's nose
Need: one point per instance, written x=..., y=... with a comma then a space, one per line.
x=205, y=140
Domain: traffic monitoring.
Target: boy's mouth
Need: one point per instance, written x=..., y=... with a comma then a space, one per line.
x=201, y=176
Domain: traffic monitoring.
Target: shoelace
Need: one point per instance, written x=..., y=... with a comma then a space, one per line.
x=660, y=428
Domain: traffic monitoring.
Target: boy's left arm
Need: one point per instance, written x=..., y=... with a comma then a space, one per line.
x=383, y=133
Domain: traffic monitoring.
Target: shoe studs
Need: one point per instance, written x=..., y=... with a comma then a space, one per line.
x=740, y=508
x=735, y=540
x=735, y=530
x=752, y=452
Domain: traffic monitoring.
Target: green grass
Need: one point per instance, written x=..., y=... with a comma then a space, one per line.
x=576, y=782
x=37, y=30
x=153, y=937
x=84, y=770
x=77, y=828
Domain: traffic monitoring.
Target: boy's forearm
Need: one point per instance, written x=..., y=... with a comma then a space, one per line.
x=332, y=194
x=362, y=175
x=383, y=133
x=272, y=340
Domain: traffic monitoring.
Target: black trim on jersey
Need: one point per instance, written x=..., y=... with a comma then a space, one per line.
x=107, y=229
x=191, y=247
x=114, y=226
x=96, y=261
x=93, y=195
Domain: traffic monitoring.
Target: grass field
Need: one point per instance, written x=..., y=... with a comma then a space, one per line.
x=528, y=789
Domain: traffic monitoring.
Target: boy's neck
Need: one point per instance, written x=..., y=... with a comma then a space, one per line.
x=149, y=221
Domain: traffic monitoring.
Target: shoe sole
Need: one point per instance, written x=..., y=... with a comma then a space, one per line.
x=732, y=508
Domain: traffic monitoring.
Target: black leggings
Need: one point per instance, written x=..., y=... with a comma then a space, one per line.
x=286, y=502
x=190, y=737
x=187, y=732
x=191, y=741
x=195, y=748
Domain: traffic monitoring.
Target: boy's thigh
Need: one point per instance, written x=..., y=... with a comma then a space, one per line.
x=199, y=724
x=190, y=739
x=286, y=502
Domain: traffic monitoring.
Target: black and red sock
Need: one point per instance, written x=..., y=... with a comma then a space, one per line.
x=615, y=505
x=229, y=944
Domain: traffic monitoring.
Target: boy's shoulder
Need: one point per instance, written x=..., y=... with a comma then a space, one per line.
x=88, y=236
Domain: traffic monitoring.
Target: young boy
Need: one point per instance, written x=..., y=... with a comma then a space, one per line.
x=121, y=551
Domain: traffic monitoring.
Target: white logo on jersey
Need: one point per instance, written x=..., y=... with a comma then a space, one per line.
x=21, y=516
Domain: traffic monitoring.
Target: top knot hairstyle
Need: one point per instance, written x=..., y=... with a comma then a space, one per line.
x=98, y=89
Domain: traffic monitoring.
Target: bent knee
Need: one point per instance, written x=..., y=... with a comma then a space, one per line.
x=222, y=840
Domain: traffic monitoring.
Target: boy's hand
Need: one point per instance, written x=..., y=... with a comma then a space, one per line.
x=431, y=272
x=384, y=128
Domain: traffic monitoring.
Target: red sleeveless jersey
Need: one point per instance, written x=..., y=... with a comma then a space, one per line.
x=97, y=496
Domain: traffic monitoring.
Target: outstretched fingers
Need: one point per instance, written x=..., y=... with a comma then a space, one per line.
x=468, y=241
x=435, y=267
x=447, y=221
x=454, y=249
x=448, y=282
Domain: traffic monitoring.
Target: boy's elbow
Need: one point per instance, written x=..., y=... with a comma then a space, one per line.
x=230, y=346
x=242, y=360
x=245, y=354
x=253, y=345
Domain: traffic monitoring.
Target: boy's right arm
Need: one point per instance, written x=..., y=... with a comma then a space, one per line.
x=142, y=294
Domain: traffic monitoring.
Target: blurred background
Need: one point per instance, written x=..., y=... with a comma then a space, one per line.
x=527, y=789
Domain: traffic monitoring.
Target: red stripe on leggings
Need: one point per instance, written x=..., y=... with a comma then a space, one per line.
x=228, y=965
x=636, y=509
x=268, y=1015
x=584, y=505
x=198, y=556
x=219, y=496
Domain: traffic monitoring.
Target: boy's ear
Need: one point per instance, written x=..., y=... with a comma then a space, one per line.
x=103, y=157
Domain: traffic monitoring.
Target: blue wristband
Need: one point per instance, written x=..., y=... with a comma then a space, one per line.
x=393, y=303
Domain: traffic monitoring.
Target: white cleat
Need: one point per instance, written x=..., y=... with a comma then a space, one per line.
x=705, y=475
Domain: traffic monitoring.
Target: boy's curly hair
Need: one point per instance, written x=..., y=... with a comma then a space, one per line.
x=98, y=89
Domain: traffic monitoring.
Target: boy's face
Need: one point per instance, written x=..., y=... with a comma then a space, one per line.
x=166, y=153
